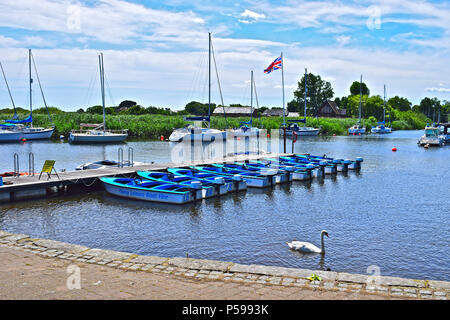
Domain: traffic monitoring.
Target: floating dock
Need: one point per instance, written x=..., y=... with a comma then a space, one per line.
x=28, y=187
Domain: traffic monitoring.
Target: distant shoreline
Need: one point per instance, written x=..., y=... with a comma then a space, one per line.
x=154, y=126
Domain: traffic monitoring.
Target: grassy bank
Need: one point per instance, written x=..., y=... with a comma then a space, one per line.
x=153, y=126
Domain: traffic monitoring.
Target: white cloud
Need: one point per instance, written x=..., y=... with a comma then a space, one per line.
x=252, y=15
x=441, y=90
x=343, y=40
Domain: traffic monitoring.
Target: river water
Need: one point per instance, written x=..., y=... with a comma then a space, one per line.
x=394, y=214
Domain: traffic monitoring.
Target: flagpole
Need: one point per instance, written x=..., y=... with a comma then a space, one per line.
x=282, y=83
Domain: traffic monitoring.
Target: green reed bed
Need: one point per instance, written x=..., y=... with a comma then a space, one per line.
x=154, y=126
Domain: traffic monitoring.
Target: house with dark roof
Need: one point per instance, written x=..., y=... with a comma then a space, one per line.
x=329, y=109
x=274, y=113
x=235, y=111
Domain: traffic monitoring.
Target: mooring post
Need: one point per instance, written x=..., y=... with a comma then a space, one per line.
x=16, y=165
x=31, y=164
x=130, y=157
x=120, y=158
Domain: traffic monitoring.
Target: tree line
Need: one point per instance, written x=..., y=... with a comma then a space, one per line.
x=318, y=91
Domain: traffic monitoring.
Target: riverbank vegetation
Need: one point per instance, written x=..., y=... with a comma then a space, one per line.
x=154, y=122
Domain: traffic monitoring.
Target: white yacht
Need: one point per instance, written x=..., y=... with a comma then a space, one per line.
x=194, y=133
x=197, y=132
x=358, y=128
x=8, y=133
x=381, y=128
x=301, y=130
x=98, y=133
x=26, y=126
x=246, y=129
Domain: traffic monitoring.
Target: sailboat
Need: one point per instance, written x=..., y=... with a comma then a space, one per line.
x=198, y=133
x=381, y=128
x=8, y=131
x=358, y=128
x=294, y=127
x=247, y=129
x=98, y=133
x=29, y=131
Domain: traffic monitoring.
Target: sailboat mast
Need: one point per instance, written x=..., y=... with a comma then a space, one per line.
x=251, y=98
x=31, y=81
x=9, y=91
x=384, y=105
x=102, y=85
x=360, y=99
x=209, y=80
x=282, y=84
x=306, y=89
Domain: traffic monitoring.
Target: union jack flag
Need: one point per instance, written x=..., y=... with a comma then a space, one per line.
x=275, y=65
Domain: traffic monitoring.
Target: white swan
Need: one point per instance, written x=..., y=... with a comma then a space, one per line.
x=307, y=247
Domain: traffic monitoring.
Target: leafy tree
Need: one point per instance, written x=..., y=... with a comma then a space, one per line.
x=135, y=110
x=43, y=110
x=371, y=107
x=430, y=107
x=355, y=88
x=95, y=110
x=127, y=104
x=80, y=110
x=399, y=103
x=318, y=91
x=198, y=108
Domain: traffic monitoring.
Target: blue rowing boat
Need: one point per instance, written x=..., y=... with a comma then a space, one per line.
x=343, y=165
x=253, y=179
x=299, y=174
x=151, y=190
x=280, y=176
x=209, y=189
x=330, y=166
x=236, y=183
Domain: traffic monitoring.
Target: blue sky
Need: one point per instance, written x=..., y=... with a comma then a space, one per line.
x=156, y=52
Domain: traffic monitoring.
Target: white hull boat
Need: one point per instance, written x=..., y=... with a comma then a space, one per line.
x=191, y=133
x=10, y=136
x=33, y=133
x=97, y=136
x=432, y=137
x=381, y=130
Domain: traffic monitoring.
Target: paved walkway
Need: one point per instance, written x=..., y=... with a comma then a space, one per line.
x=26, y=275
x=47, y=269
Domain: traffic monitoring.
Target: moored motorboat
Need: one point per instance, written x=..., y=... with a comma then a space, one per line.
x=209, y=189
x=432, y=137
x=102, y=164
x=151, y=190
x=445, y=134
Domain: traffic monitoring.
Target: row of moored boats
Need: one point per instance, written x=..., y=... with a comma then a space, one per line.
x=184, y=185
